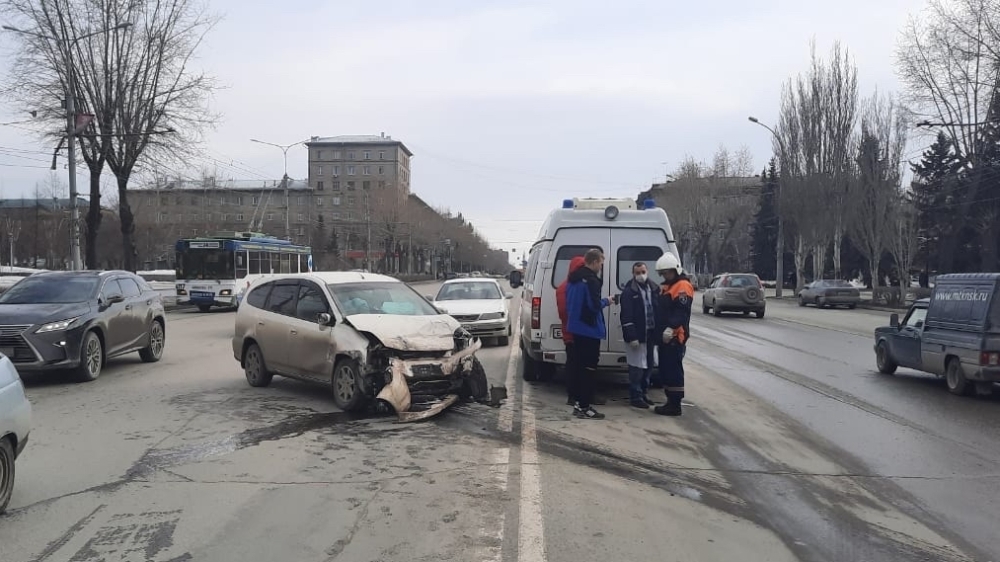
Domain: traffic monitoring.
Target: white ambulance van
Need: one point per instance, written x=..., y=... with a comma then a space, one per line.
x=625, y=234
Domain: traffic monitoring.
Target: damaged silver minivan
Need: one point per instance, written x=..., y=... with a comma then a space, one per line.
x=370, y=337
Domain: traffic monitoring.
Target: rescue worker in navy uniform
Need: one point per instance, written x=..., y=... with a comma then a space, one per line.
x=673, y=325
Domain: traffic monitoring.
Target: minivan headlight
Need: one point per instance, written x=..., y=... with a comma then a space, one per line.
x=492, y=316
x=56, y=326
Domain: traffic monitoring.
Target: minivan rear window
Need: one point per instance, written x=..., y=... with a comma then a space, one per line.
x=631, y=255
x=564, y=255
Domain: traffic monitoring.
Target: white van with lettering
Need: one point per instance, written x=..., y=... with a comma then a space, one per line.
x=625, y=234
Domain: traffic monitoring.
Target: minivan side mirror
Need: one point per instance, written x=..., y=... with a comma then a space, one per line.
x=430, y=298
x=508, y=295
x=324, y=319
x=894, y=320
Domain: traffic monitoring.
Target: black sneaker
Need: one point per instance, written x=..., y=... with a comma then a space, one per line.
x=639, y=404
x=587, y=413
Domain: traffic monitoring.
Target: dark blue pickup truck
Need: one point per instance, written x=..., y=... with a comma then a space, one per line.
x=955, y=334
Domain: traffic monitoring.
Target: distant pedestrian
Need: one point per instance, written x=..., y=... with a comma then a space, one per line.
x=638, y=317
x=585, y=321
x=673, y=317
x=574, y=264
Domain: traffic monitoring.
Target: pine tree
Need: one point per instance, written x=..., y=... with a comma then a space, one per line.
x=764, y=230
x=937, y=188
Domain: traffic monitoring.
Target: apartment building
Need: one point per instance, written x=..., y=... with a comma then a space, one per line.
x=356, y=168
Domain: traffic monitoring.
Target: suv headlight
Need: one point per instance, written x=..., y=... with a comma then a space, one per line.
x=56, y=326
x=492, y=316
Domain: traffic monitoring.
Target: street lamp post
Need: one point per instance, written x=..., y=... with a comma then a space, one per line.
x=284, y=178
x=779, y=266
x=67, y=53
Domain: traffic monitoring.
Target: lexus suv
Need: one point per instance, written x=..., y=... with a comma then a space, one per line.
x=78, y=319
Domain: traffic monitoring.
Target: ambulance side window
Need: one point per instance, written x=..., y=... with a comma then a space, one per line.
x=563, y=256
x=631, y=255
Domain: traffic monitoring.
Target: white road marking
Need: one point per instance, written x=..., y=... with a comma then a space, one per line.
x=492, y=533
x=505, y=418
x=531, y=534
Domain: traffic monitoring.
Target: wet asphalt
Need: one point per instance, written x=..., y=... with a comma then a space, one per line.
x=792, y=448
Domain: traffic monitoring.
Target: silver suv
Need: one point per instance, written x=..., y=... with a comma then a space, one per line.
x=734, y=292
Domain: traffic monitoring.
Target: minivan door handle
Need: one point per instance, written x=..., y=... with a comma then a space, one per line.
x=293, y=332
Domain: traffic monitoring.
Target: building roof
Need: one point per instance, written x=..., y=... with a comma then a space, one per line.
x=227, y=185
x=47, y=203
x=340, y=140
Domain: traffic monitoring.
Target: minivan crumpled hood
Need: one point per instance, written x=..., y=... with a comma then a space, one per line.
x=409, y=333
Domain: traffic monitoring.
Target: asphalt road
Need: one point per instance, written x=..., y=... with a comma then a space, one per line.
x=792, y=448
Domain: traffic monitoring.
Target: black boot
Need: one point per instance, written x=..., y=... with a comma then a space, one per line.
x=669, y=409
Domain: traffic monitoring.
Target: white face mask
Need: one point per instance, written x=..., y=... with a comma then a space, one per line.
x=641, y=278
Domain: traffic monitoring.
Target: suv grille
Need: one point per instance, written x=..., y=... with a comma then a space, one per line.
x=14, y=346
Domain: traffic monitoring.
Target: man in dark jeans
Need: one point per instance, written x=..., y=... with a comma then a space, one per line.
x=638, y=318
x=574, y=264
x=585, y=321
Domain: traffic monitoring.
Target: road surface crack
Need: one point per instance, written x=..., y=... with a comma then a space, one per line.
x=338, y=547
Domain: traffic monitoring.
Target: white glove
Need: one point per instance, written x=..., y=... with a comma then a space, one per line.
x=634, y=344
x=668, y=334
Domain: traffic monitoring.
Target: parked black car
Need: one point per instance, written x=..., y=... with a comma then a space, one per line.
x=78, y=319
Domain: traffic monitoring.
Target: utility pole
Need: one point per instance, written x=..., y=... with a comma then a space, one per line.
x=368, y=244
x=13, y=232
x=284, y=178
x=67, y=53
x=779, y=266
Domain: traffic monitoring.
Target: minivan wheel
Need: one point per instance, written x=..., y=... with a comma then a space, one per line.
x=348, y=387
x=716, y=311
x=91, y=358
x=157, y=340
x=957, y=383
x=254, y=367
x=802, y=301
x=885, y=364
x=760, y=313
x=6, y=472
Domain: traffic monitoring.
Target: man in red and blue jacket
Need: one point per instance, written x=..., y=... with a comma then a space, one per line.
x=567, y=338
x=585, y=321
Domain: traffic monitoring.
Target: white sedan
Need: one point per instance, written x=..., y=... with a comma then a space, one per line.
x=479, y=304
x=15, y=423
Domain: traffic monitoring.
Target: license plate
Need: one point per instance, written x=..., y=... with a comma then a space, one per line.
x=557, y=333
x=202, y=295
x=8, y=351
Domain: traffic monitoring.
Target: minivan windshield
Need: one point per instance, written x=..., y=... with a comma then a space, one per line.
x=59, y=289
x=396, y=299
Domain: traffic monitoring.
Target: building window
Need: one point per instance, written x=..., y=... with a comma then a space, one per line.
x=208, y=217
x=319, y=186
x=381, y=170
x=381, y=184
x=335, y=216
x=255, y=200
x=239, y=217
x=367, y=170
x=162, y=217
x=303, y=202
x=350, y=200
x=350, y=156
x=319, y=201
x=350, y=186
x=335, y=186
x=302, y=231
x=381, y=155
x=336, y=155
x=368, y=155
x=270, y=216
x=366, y=185
x=225, y=217
x=350, y=215
x=319, y=154
x=336, y=201
x=193, y=217
x=301, y=217
x=350, y=170
x=164, y=201
x=319, y=170
x=336, y=171
x=239, y=201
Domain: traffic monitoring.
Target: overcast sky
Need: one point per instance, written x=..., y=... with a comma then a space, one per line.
x=509, y=107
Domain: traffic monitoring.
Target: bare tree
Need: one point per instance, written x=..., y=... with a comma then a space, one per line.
x=877, y=185
x=902, y=239
x=814, y=135
x=136, y=83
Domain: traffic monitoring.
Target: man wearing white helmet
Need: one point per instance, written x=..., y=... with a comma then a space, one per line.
x=673, y=318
